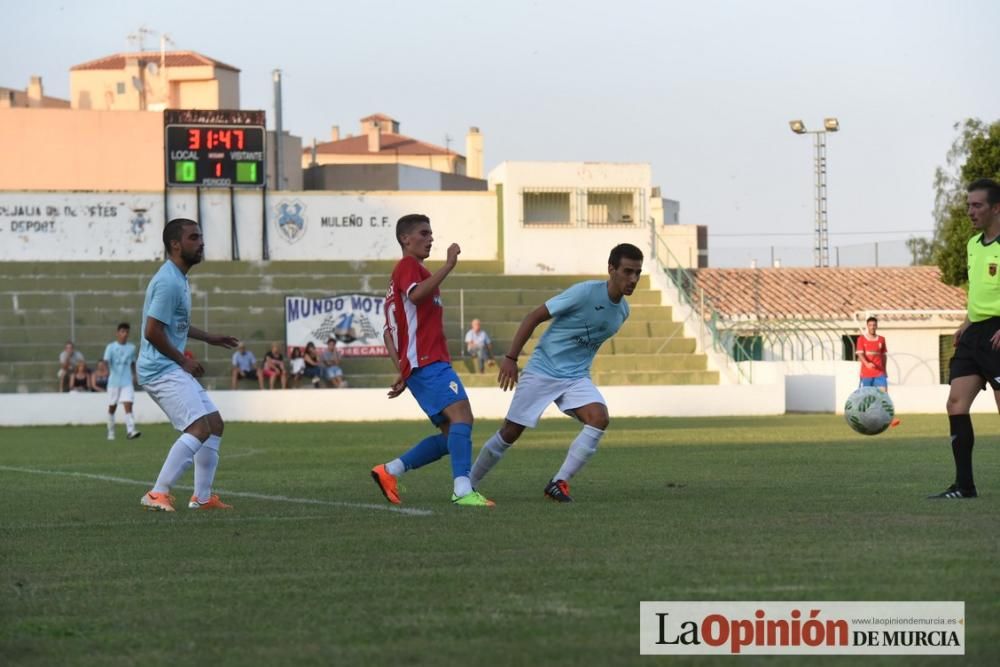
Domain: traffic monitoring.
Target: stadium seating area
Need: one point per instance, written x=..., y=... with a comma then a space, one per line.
x=44, y=304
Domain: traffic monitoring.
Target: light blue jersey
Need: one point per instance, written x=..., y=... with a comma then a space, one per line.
x=168, y=299
x=120, y=359
x=583, y=317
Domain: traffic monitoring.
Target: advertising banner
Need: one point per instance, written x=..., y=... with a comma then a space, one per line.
x=354, y=320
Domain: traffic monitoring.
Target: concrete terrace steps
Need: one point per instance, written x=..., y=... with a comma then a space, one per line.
x=40, y=304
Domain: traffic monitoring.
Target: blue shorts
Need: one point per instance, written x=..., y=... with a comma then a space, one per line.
x=436, y=387
x=881, y=381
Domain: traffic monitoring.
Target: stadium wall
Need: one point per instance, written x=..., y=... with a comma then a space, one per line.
x=127, y=226
x=820, y=392
x=70, y=224
x=332, y=405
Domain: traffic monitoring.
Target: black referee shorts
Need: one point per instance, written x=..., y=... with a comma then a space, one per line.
x=975, y=354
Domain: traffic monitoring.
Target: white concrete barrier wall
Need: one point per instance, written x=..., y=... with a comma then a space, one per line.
x=128, y=226
x=805, y=393
x=332, y=405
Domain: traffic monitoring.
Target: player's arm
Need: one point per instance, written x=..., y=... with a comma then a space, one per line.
x=399, y=384
x=156, y=334
x=961, y=330
x=507, y=376
x=424, y=289
x=228, y=342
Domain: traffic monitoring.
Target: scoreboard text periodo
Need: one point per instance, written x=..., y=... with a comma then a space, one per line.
x=219, y=156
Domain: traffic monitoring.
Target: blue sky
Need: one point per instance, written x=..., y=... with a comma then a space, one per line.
x=702, y=90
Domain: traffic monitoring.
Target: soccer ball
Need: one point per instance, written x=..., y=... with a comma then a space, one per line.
x=869, y=411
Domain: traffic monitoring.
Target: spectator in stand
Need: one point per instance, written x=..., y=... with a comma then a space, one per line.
x=479, y=346
x=79, y=379
x=274, y=367
x=68, y=359
x=296, y=366
x=313, y=366
x=332, y=371
x=245, y=366
x=99, y=378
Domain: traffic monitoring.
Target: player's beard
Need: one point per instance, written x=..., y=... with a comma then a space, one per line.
x=193, y=257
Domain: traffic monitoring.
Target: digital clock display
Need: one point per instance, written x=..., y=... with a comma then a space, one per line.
x=219, y=156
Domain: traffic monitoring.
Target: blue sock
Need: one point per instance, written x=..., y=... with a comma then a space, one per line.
x=460, y=448
x=428, y=450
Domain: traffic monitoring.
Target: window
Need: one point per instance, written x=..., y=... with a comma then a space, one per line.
x=611, y=207
x=748, y=348
x=546, y=208
x=120, y=88
x=850, y=347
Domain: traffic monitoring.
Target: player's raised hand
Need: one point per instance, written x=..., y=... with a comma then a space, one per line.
x=398, y=387
x=453, y=252
x=507, y=377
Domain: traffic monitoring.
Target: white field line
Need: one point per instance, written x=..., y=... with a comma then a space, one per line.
x=245, y=453
x=410, y=511
x=216, y=518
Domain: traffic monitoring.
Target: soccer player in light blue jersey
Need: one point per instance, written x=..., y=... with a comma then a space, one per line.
x=169, y=377
x=583, y=317
x=120, y=356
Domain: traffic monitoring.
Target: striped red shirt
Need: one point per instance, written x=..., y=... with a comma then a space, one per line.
x=417, y=330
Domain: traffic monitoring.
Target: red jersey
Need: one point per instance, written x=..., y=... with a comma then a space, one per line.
x=417, y=330
x=874, y=351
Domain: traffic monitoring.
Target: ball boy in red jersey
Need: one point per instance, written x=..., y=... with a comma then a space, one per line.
x=414, y=336
x=872, y=353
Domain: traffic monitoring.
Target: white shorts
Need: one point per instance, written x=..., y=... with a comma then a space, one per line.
x=118, y=395
x=181, y=398
x=535, y=391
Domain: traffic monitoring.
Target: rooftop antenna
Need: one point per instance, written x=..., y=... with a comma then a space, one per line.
x=447, y=142
x=138, y=37
x=164, y=40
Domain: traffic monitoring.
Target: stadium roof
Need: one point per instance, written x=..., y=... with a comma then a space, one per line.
x=829, y=293
x=171, y=59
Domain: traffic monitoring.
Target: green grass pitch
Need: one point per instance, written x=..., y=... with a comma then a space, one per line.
x=312, y=569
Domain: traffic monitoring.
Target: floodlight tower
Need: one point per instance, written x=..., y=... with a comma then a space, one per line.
x=821, y=250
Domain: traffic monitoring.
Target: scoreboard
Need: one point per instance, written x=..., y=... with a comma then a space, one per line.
x=219, y=149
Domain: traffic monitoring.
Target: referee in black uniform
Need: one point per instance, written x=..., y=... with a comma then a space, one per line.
x=977, y=340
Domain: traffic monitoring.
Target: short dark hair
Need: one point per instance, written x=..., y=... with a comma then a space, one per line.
x=624, y=250
x=872, y=319
x=124, y=325
x=173, y=231
x=406, y=224
x=331, y=339
x=992, y=189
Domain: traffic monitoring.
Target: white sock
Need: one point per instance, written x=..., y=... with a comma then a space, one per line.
x=489, y=456
x=583, y=447
x=205, y=463
x=178, y=460
x=129, y=422
x=395, y=467
x=463, y=486
x=111, y=422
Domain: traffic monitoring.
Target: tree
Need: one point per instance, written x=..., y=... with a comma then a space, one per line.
x=975, y=153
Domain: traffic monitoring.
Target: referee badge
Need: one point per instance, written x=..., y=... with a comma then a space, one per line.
x=993, y=270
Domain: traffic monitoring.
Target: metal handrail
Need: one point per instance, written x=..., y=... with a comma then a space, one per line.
x=702, y=310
